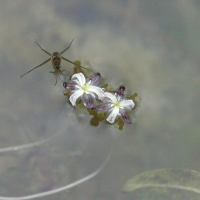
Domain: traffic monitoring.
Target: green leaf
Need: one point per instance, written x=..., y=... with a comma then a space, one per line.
x=186, y=180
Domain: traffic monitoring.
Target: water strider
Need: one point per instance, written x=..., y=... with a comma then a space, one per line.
x=55, y=59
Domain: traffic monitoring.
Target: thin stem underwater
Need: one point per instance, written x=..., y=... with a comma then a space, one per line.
x=33, y=144
x=71, y=185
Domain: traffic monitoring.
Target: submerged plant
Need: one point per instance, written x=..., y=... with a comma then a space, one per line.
x=164, y=184
x=60, y=189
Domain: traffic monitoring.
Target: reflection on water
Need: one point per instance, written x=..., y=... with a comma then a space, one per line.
x=151, y=47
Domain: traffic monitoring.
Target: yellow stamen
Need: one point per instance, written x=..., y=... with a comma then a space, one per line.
x=117, y=104
x=85, y=87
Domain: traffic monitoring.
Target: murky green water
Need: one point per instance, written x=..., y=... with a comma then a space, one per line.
x=150, y=46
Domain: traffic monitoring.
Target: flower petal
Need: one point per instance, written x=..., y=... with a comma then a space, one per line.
x=95, y=79
x=125, y=116
x=75, y=96
x=88, y=101
x=80, y=79
x=111, y=118
x=110, y=96
x=97, y=90
x=127, y=104
x=69, y=86
x=104, y=107
x=121, y=91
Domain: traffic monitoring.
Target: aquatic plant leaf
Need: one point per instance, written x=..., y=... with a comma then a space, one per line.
x=186, y=180
x=133, y=96
x=78, y=69
x=97, y=117
x=106, y=87
x=120, y=123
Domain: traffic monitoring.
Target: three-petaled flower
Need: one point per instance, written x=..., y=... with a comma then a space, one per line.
x=88, y=91
x=117, y=106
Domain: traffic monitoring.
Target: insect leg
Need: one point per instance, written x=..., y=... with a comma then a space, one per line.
x=75, y=64
x=36, y=67
x=43, y=49
x=66, y=48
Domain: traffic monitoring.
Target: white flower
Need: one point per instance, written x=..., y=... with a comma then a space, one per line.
x=86, y=90
x=117, y=106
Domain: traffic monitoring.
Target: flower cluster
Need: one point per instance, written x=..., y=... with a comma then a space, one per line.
x=114, y=105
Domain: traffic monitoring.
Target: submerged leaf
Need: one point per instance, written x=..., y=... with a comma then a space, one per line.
x=187, y=180
x=120, y=123
x=133, y=96
x=97, y=117
x=78, y=69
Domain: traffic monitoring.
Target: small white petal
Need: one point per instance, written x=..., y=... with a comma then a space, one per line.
x=93, y=95
x=110, y=96
x=97, y=90
x=77, y=82
x=80, y=78
x=111, y=118
x=127, y=104
x=75, y=96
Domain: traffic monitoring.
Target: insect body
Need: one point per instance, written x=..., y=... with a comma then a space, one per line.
x=55, y=58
